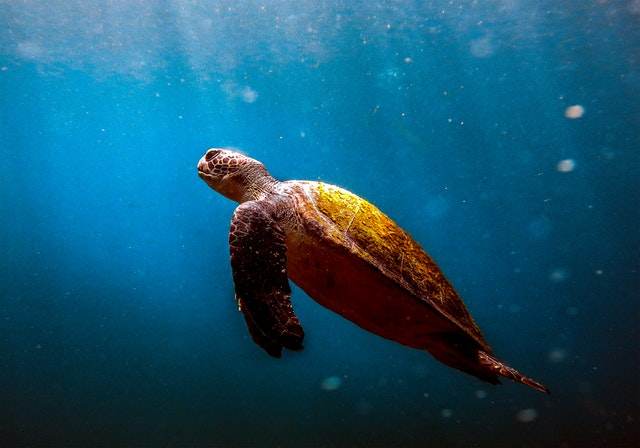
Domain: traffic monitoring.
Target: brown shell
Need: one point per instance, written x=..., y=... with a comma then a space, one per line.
x=380, y=241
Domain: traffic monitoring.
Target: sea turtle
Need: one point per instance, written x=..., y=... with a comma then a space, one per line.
x=348, y=256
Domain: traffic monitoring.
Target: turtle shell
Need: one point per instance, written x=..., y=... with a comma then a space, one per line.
x=384, y=244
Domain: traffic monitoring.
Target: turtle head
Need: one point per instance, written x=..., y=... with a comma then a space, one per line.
x=233, y=174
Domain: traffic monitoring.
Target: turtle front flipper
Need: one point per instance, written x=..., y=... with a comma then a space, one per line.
x=259, y=264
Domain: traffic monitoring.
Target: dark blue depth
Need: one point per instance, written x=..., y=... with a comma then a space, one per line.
x=117, y=320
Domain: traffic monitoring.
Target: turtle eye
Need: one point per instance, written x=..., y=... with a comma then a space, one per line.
x=211, y=154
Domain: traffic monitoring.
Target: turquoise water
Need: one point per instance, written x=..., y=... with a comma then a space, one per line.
x=503, y=135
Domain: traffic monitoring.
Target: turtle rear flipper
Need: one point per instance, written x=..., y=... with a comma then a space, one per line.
x=504, y=370
x=457, y=350
x=259, y=264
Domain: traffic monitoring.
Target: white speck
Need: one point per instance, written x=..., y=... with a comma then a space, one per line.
x=4, y=68
x=557, y=355
x=566, y=165
x=331, y=383
x=38, y=346
x=558, y=275
x=180, y=117
x=388, y=26
x=408, y=60
x=249, y=95
x=481, y=394
x=527, y=415
x=450, y=120
x=303, y=134
x=157, y=94
x=103, y=130
x=425, y=395
x=446, y=413
x=573, y=112
x=599, y=272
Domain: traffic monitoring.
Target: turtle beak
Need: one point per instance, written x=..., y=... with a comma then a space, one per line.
x=202, y=165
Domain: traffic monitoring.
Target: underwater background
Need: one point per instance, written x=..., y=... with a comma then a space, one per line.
x=503, y=135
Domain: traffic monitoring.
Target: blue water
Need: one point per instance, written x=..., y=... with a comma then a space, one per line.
x=117, y=320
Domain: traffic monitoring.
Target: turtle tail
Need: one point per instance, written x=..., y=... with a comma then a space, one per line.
x=501, y=369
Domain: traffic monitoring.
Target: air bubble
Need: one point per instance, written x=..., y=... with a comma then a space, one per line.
x=527, y=415
x=331, y=383
x=574, y=112
x=566, y=165
x=446, y=413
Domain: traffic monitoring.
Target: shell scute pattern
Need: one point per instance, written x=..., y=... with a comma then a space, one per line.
x=383, y=243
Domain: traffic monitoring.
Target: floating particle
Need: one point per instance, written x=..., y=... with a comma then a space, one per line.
x=408, y=60
x=527, y=415
x=573, y=112
x=557, y=355
x=566, y=165
x=425, y=395
x=558, y=275
x=249, y=95
x=599, y=271
x=481, y=47
x=331, y=383
x=481, y=394
x=446, y=413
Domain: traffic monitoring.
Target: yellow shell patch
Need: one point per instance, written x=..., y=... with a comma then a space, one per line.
x=365, y=224
x=389, y=247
